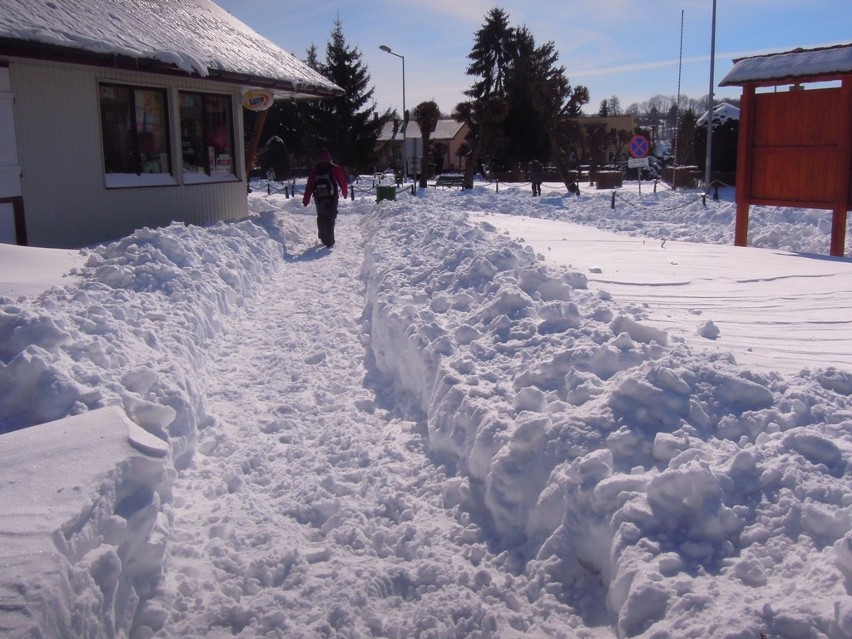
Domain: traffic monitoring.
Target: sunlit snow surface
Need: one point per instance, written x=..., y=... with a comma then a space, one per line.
x=470, y=418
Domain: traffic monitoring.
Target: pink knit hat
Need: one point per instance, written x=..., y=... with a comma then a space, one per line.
x=324, y=156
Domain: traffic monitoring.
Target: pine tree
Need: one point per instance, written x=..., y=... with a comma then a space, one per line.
x=686, y=139
x=487, y=108
x=526, y=122
x=522, y=104
x=491, y=56
x=348, y=125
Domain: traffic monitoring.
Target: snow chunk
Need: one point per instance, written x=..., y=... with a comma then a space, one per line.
x=637, y=331
x=709, y=330
x=79, y=493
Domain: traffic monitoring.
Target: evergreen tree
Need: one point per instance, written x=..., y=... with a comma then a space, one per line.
x=485, y=111
x=525, y=126
x=491, y=56
x=686, y=139
x=559, y=105
x=521, y=104
x=725, y=140
x=348, y=125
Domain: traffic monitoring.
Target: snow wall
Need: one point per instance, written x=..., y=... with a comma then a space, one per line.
x=604, y=459
x=106, y=343
x=585, y=459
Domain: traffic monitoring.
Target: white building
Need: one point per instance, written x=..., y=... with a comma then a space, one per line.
x=119, y=114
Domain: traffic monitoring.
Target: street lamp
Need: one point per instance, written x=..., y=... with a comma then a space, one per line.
x=387, y=49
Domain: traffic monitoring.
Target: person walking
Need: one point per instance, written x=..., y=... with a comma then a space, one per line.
x=536, y=176
x=326, y=182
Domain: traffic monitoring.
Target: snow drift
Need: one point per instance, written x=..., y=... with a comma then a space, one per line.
x=606, y=478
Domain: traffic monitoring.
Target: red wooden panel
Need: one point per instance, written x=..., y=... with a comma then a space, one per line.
x=788, y=118
x=798, y=136
x=799, y=175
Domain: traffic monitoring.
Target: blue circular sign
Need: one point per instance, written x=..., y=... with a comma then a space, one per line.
x=638, y=146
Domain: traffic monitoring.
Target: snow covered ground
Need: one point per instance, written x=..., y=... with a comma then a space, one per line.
x=435, y=429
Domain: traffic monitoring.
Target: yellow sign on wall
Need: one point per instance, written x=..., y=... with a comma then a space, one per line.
x=258, y=99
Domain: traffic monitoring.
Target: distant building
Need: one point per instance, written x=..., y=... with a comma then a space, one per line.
x=448, y=139
x=608, y=123
x=120, y=114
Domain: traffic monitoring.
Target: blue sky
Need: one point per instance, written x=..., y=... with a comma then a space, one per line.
x=613, y=47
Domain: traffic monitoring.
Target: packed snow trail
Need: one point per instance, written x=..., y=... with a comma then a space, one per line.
x=368, y=550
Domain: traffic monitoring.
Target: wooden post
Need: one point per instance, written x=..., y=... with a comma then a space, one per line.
x=843, y=196
x=251, y=149
x=744, y=176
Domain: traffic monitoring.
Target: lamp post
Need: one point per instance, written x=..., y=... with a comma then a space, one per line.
x=387, y=49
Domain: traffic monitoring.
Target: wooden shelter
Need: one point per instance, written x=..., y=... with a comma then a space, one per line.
x=795, y=146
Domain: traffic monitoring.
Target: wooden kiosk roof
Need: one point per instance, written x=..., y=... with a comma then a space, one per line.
x=795, y=146
x=809, y=65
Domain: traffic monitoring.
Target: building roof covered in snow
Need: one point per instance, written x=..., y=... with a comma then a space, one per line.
x=195, y=37
x=445, y=129
x=791, y=66
x=721, y=114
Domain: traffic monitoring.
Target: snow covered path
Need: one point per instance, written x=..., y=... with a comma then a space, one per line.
x=428, y=432
x=275, y=551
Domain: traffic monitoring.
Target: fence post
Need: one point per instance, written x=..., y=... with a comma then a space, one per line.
x=268, y=187
x=716, y=192
x=497, y=181
x=612, y=204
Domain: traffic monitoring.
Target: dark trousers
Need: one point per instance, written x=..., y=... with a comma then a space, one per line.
x=536, y=186
x=326, y=216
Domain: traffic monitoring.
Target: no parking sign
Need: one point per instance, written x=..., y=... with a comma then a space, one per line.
x=638, y=146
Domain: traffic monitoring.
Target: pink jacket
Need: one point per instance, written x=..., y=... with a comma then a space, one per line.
x=337, y=174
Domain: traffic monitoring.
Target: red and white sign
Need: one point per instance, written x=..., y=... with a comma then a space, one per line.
x=638, y=146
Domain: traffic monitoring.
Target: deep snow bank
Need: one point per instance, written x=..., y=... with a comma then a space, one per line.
x=628, y=472
x=130, y=333
x=625, y=477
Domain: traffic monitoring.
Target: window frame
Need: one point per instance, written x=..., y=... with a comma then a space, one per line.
x=208, y=175
x=139, y=178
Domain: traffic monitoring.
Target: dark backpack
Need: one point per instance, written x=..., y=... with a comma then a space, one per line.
x=325, y=186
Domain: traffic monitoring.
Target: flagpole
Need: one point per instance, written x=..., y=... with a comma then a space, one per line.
x=707, y=155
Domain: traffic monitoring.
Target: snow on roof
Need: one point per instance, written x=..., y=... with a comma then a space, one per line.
x=799, y=63
x=721, y=114
x=194, y=36
x=445, y=129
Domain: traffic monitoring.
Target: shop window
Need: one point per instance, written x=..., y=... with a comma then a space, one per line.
x=206, y=135
x=135, y=132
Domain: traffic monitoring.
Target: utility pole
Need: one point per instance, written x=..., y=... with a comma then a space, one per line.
x=708, y=154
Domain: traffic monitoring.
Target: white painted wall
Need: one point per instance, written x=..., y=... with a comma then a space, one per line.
x=66, y=202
